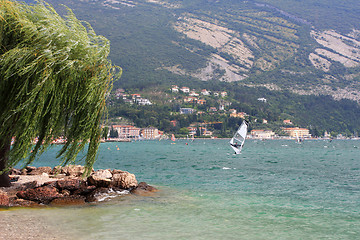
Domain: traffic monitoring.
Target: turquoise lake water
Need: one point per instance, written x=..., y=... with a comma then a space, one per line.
x=275, y=189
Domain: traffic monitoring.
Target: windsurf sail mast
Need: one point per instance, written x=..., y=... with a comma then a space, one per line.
x=238, y=140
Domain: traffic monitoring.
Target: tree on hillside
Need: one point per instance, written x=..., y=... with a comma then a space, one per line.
x=54, y=77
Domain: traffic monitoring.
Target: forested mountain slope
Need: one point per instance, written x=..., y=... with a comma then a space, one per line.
x=292, y=49
x=305, y=46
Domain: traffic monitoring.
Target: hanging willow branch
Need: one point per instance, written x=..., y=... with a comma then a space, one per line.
x=54, y=77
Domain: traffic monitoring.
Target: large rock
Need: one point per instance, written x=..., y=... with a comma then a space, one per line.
x=19, y=202
x=84, y=190
x=70, y=170
x=96, y=194
x=124, y=180
x=39, y=170
x=144, y=189
x=40, y=194
x=15, y=171
x=100, y=178
x=28, y=185
x=4, y=199
x=103, y=174
x=68, y=200
x=98, y=181
x=70, y=184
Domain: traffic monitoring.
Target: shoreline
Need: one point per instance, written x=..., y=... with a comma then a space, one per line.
x=61, y=190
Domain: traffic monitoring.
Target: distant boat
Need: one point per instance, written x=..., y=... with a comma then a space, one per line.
x=238, y=140
x=298, y=139
x=173, y=138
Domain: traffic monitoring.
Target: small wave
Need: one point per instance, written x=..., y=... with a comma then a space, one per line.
x=227, y=168
x=110, y=194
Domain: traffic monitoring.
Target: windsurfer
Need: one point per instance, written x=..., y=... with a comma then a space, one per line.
x=235, y=144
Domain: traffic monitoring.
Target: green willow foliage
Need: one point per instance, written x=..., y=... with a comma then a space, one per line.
x=54, y=78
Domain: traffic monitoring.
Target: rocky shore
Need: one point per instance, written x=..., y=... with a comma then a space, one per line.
x=61, y=186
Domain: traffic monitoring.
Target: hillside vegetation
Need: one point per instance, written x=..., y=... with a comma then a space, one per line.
x=294, y=49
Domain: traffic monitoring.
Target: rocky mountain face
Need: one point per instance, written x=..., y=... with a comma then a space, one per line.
x=253, y=43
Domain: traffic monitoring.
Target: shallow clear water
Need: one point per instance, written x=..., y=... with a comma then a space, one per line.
x=274, y=190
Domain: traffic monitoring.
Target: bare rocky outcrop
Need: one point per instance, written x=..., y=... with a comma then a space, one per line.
x=66, y=186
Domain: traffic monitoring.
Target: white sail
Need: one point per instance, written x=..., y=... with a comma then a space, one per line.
x=297, y=137
x=238, y=140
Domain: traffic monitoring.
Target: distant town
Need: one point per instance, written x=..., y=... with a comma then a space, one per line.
x=199, y=99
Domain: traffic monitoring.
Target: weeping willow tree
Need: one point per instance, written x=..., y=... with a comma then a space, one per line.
x=54, y=78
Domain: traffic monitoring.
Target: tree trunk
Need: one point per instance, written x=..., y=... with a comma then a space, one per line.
x=4, y=150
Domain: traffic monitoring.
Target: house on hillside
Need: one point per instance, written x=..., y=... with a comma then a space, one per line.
x=262, y=100
x=223, y=94
x=232, y=110
x=192, y=131
x=201, y=102
x=187, y=110
x=142, y=101
x=185, y=89
x=193, y=94
x=205, y=92
x=120, y=93
x=135, y=95
x=190, y=99
x=288, y=122
x=238, y=115
x=174, y=89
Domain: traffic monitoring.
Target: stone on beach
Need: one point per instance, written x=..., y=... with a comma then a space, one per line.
x=4, y=199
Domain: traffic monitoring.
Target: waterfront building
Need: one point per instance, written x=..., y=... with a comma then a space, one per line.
x=262, y=134
x=296, y=132
x=127, y=131
x=150, y=133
